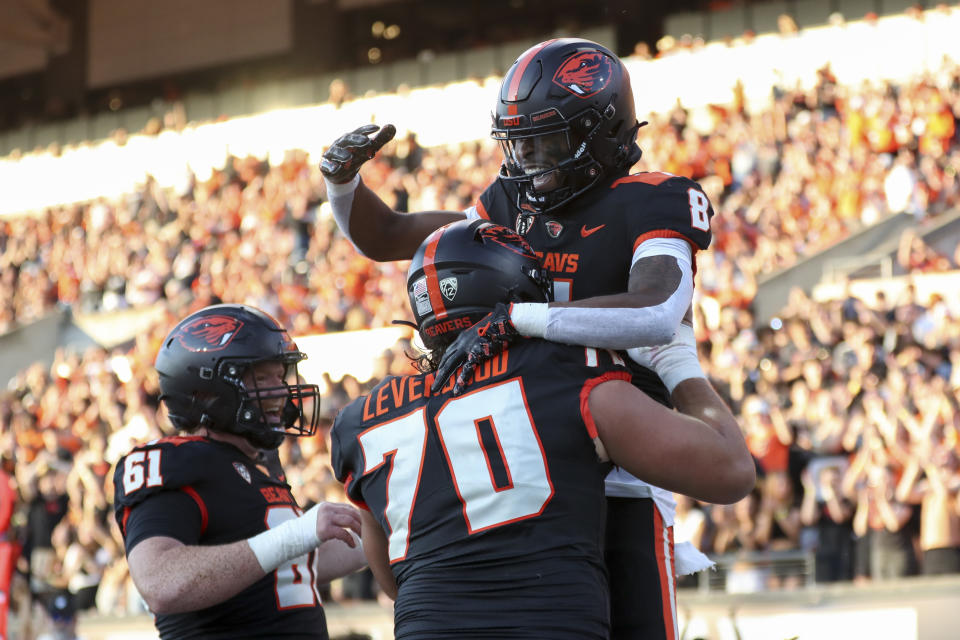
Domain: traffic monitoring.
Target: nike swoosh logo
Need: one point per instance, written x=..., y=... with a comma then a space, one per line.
x=584, y=232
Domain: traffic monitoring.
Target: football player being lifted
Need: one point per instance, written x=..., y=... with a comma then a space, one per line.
x=492, y=501
x=217, y=545
x=621, y=250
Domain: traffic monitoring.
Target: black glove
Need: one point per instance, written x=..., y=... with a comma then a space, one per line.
x=474, y=346
x=344, y=157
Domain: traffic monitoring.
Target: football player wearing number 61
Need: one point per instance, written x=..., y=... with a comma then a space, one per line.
x=483, y=512
x=217, y=545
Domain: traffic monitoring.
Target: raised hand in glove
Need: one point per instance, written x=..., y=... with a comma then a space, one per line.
x=345, y=156
x=475, y=345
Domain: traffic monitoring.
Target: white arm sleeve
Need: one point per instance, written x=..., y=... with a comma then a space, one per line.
x=471, y=213
x=617, y=328
x=341, y=203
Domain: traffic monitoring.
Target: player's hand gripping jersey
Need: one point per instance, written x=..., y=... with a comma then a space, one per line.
x=488, y=495
x=591, y=246
x=219, y=496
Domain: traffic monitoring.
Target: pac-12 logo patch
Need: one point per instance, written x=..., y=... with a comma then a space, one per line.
x=448, y=287
x=585, y=74
x=243, y=471
x=208, y=333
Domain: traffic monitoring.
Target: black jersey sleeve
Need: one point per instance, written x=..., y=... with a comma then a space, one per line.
x=661, y=205
x=346, y=455
x=172, y=514
x=161, y=465
x=498, y=204
x=154, y=490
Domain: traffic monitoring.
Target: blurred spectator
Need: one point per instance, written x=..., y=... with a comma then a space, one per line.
x=61, y=623
x=933, y=480
x=778, y=520
x=767, y=439
x=914, y=255
x=46, y=508
x=891, y=547
x=9, y=548
x=829, y=515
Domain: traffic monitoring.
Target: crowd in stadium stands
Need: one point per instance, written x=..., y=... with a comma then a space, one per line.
x=786, y=182
x=851, y=408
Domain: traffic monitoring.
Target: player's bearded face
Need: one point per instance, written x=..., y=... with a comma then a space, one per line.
x=540, y=153
x=266, y=383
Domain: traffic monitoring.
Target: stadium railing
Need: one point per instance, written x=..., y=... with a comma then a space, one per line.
x=755, y=571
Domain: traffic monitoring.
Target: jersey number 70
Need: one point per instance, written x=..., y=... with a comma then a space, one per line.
x=500, y=477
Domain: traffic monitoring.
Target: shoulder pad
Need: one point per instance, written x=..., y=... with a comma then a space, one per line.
x=352, y=414
x=652, y=178
x=343, y=443
x=161, y=465
x=662, y=205
x=585, y=361
x=498, y=203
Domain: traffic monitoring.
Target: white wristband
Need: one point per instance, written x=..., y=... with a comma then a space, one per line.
x=341, y=203
x=673, y=362
x=529, y=318
x=287, y=541
x=342, y=189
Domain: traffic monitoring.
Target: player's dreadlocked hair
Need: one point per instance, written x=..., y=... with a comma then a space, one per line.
x=428, y=361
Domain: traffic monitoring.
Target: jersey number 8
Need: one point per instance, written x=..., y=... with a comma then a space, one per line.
x=699, y=205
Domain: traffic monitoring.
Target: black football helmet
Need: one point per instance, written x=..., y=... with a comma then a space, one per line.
x=462, y=270
x=565, y=118
x=202, y=363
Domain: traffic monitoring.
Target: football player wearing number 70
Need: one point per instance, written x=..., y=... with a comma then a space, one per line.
x=217, y=545
x=483, y=512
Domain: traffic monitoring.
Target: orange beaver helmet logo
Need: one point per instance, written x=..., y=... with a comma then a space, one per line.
x=209, y=333
x=507, y=238
x=585, y=74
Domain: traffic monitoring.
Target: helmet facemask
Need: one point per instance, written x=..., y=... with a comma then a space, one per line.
x=274, y=405
x=551, y=165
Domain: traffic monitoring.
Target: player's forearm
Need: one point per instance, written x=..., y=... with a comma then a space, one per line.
x=174, y=578
x=696, y=398
x=375, y=229
x=671, y=450
x=376, y=549
x=608, y=322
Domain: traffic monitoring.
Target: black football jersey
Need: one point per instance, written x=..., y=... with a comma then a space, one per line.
x=206, y=492
x=492, y=500
x=588, y=248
